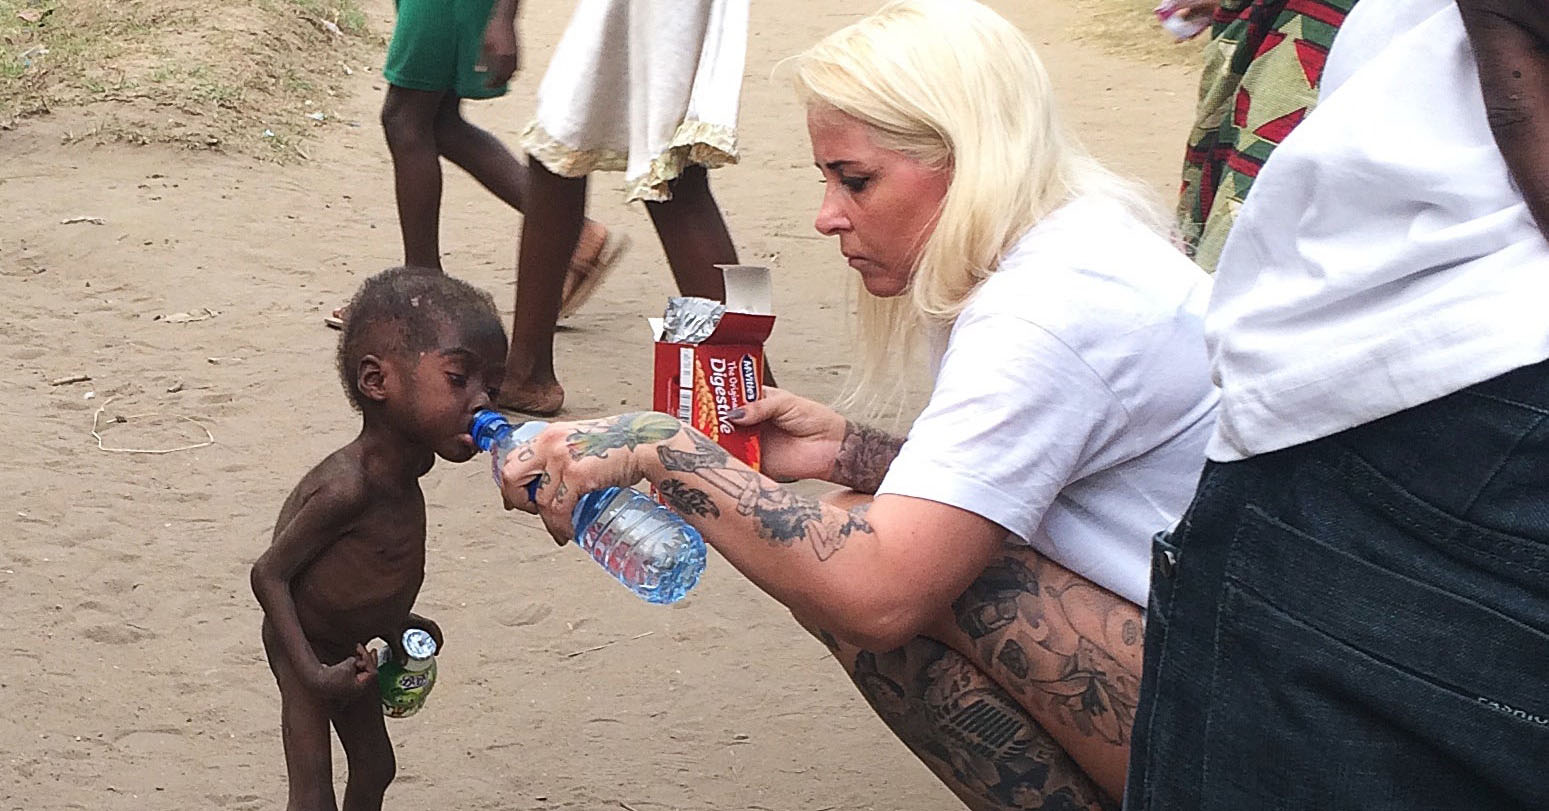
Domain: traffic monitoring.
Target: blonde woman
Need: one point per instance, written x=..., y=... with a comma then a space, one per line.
x=982, y=580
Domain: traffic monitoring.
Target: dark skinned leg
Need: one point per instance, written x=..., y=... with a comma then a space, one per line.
x=695, y=239
x=487, y=160
x=550, y=233
x=304, y=733
x=694, y=235
x=368, y=752
x=480, y=154
x=409, y=122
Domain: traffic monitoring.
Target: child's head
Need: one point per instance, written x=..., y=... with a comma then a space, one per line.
x=423, y=351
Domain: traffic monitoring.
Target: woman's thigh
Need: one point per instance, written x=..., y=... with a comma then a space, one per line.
x=1067, y=650
x=966, y=729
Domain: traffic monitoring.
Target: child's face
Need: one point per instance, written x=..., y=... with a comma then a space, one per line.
x=443, y=387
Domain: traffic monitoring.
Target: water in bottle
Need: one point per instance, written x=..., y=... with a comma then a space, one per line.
x=646, y=546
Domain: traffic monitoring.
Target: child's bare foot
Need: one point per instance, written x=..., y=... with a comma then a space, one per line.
x=595, y=255
x=540, y=399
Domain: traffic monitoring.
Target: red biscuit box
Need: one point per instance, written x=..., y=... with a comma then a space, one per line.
x=700, y=383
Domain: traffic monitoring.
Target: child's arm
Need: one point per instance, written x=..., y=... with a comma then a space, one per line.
x=315, y=526
x=500, y=57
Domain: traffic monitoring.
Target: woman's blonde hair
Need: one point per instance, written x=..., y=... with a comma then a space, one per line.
x=954, y=86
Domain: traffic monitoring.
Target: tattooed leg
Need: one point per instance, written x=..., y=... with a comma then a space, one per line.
x=1066, y=650
x=968, y=731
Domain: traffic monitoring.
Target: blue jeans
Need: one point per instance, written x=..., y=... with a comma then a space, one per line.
x=1359, y=622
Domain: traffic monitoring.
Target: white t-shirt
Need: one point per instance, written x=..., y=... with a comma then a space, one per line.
x=1384, y=258
x=1073, y=401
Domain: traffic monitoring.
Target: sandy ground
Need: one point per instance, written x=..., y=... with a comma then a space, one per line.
x=133, y=677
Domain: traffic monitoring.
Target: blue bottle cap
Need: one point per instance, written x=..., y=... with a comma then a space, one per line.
x=486, y=425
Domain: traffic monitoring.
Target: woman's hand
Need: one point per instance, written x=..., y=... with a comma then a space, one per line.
x=570, y=459
x=800, y=437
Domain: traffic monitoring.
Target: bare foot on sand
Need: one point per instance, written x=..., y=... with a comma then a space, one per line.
x=540, y=399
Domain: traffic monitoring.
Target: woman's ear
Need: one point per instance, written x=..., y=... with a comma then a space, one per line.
x=371, y=378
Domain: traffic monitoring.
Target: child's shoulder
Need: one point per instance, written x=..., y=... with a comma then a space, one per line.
x=339, y=480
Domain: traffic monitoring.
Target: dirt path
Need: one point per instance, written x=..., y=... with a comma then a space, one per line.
x=135, y=680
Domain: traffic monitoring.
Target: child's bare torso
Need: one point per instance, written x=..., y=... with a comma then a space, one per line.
x=364, y=584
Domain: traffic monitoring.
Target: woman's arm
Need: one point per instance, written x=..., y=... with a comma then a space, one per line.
x=875, y=580
x=803, y=439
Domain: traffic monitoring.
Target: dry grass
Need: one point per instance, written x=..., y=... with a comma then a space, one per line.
x=248, y=77
x=1128, y=27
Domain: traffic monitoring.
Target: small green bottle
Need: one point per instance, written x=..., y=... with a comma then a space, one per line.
x=405, y=684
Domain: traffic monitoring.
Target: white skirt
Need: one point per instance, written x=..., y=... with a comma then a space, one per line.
x=644, y=86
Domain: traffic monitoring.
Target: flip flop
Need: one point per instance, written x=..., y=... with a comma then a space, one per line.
x=336, y=319
x=583, y=277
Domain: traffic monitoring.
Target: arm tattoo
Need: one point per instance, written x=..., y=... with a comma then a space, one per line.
x=863, y=458
x=626, y=431
x=970, y=731
x=1066, y=646
x=687, y=500
x=782, y=516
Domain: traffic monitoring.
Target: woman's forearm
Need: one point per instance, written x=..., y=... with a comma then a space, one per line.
x=788, y=544
x=863, y=458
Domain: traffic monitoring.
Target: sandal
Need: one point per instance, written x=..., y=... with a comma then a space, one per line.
x=338, y=317
x=585, y=275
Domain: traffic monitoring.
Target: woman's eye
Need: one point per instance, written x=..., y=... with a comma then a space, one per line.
x=457, y=380
x=855, y=184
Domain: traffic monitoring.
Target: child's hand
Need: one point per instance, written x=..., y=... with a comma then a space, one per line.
x=349, y=678
x=499, y=58
x=427, y=624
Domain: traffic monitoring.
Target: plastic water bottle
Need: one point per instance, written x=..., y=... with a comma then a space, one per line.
x=405, y=682
x=648, y=547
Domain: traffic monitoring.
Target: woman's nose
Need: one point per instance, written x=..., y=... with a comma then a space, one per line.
x=831, y=219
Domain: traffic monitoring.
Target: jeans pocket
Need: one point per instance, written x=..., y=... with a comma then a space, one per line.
x=1342, y=684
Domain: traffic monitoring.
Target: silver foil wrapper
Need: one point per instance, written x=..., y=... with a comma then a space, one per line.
x=690, y=320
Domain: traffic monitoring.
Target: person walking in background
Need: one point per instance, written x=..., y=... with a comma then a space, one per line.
x=1263, y=65
x=441, y=53
x=647, y=87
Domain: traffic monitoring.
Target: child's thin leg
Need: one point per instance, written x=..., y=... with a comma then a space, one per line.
x=409, y=122
x=694, y=235
x=480, y=154
x=304, y=733
x=549, y=236
x=368, y=752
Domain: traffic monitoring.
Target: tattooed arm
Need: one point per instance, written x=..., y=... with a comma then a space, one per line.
x=807, y=440
x=874, y=580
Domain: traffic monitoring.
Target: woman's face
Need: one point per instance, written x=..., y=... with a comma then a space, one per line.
x=881, y=204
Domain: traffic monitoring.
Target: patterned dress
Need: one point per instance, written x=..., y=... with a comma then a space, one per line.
x=1262, y=70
